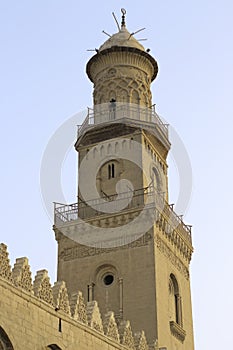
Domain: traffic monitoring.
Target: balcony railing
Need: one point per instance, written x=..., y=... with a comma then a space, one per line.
x=86, y=210
x=113, y=111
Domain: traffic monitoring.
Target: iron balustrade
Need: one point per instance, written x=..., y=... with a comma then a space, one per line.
x=106, y=113
x=147, y=196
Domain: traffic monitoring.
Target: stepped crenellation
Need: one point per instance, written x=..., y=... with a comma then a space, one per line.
x=73, y=306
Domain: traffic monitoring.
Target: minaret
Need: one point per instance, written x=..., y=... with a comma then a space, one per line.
x=122, y=70
x=121, y=243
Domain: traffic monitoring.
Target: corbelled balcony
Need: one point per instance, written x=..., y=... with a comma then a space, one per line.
x=115, y=112
x=145, y=197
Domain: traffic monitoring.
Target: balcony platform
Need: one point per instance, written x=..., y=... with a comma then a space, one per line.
x=146, y=197
x=125, y=113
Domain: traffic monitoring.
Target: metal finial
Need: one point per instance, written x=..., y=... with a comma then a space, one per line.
x=114, y=16
x=123, y=11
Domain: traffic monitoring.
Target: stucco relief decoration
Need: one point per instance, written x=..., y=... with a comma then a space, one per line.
x=78, y=307
x=140, y=341
x=172, y=257
x=22, y=275
x=123, y=87
x=42, y=287
x=94, y=316
x=111, y=73
x=126, y=335
x=110, y=326
x=83, y=251
x=60, y=297
x=5, y=267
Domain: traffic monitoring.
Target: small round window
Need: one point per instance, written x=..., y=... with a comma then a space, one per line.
x=108, y=279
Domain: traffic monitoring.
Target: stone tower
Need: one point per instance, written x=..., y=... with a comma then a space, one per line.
x=121, y=243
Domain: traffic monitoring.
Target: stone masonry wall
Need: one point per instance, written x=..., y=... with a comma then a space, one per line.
x=35, y=315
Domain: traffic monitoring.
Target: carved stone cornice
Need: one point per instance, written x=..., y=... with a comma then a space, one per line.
x=175, y=233
x=177, y=331
x=82, y=251
x=122, y=55
x=165, y=250
x=172, y=230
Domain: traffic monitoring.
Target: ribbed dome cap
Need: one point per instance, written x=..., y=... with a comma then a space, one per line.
x=122, y=38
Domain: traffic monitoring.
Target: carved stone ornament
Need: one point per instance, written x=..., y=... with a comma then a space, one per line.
x=42, y=287
x=126, y=335
x=82, y=251
x=155, y=346
x=110, y=326
x=163, y=248
x=140, y=341
x=60, y=297
x=177, y=331
x=5, y=267
x=78, y=307
x=94, y=317
x=22, y=275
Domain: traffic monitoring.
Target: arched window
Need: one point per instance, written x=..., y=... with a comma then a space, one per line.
x=112, y=109
x=156, y=179
x=5, y=343
x=175, y=300
x=54, y=347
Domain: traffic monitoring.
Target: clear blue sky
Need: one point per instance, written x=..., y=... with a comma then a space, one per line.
x=43, y=82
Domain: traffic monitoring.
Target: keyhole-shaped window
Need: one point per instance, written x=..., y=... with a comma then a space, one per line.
x=111, y=171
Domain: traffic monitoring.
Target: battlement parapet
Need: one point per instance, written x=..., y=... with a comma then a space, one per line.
x=56, y=302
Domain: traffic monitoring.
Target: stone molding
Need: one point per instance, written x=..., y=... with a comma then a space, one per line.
x=167, y=252
x=81, y=251
x=175, y=234
x=119, y=56
x=177, y=331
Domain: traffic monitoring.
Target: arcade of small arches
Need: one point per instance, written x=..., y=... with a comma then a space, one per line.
x=114, y=147
x=123, y=90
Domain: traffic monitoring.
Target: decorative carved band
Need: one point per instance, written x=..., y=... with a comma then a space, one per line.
x=177, y=331
x=81, y=251
x=172, y=257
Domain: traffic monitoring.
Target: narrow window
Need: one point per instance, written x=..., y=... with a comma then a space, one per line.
x=112, y=109
x=111, y=171
x=59, y=325
x=176, y=308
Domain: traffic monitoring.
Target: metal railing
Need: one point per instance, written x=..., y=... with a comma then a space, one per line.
x=109, y=112
x=86, y=210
